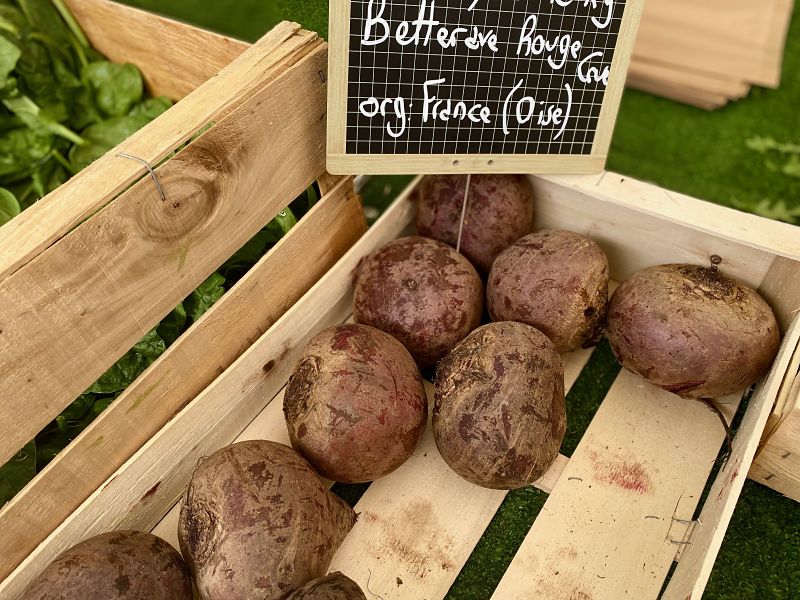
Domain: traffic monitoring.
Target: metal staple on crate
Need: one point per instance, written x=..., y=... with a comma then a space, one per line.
x=149, y=168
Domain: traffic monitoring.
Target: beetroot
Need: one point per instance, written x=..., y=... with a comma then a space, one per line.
x=355, y=405
x=692, y=330
x=120, y=565
x=556, y=281
x=331, y=587
x=499, y=212
x=422, y=292
x=499, y=416
x=258, y=522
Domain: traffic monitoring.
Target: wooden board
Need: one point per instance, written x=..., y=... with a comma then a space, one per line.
x=609, y=528
x=140, y=256
x=692, y=573
x=359, y=135
x=26, y=236
x=243, y=314
x=656, y=228
x=143, y=489
x=186, y=57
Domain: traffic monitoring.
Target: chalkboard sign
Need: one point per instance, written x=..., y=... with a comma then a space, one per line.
x=444, y=86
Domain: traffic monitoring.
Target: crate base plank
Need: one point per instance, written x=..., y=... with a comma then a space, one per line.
x=637, y=474
x=243, y=314
x=141, y=256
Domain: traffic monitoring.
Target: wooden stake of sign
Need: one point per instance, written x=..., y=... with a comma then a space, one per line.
x=476, y=86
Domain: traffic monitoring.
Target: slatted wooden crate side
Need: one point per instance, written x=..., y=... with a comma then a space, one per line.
x=40, y=226
x=142, y=490
x=244, y=313
x=83, y=302
x=697, y=560
x=168, y=53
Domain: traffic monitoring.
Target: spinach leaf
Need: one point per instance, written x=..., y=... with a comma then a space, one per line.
x=9, y=206
x=200, y=300
x=117, y=88
x=17, y=472
x=151, y=107
x=102, y=137
x=27, y=111
x=151, y=345
x=9, y=55
x=20, y=149
x=12, y=21
x=173, y=325
x=121, y=374
x=45, y=19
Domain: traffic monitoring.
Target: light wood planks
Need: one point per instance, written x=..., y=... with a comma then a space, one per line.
x=640, y=225
x=694, y=568
x=273, y=285
x=82, y=303
x=607, y=531
x=142, y=490
x=174, y=58
x=420, y=523
x=26, y=236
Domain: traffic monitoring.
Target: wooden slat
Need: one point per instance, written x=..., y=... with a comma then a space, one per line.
x=27, y=235
x=658, y=228
x=273, y=285
x=140, y=256
x=174, y=58
x=608, y=529
x=777, y=464
x=421, y=522
x=694, y=568
x=142, y=490
x=781, y=288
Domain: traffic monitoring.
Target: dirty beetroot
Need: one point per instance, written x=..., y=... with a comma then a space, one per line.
x=422, y=292
x=257, y=521
x=355, y=405
x=335, y=586
x=692, y=330
x=499, y=211
x=499, y=416
x=556, y=281
x=121, y=565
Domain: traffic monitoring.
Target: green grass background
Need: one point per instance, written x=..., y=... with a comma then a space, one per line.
x=715, y=156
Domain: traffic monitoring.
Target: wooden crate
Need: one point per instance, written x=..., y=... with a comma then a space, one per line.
x=92, y=267
x=622, y=509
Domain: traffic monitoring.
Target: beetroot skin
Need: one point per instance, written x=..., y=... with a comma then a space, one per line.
x=331, y=587
x=120, y=565
x=257, y=522
x=556, y=281
x=499, y=416
x=692, y=330
x=499, y=212
x=355, y=405
x=422, y=292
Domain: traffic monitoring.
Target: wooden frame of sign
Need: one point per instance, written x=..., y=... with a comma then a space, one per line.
x=443, y=143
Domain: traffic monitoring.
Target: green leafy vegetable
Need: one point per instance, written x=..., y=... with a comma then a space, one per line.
x=9, y=207
x=205, y=296
x=102, y=137
x=9, y=55
x=117, y=88
x=17, y=472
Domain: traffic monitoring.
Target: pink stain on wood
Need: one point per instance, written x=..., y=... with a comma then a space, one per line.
x=629, y=475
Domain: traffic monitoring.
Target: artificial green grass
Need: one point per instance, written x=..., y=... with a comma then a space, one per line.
x=708, y=155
